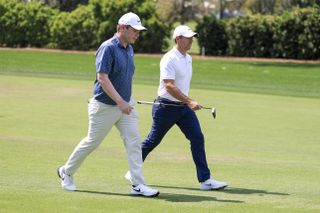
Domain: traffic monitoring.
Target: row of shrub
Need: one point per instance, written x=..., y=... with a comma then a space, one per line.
x=294, y=34
x=35, y=25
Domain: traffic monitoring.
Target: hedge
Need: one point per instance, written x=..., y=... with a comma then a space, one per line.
x=294, y=34
x=35, y=25
x=76, y=30
x=250, y=36
x=212, y=36
x=108, y=12
x=23, y=25
x=297, y=34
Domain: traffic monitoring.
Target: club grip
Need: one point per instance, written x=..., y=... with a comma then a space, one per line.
x=145, y=102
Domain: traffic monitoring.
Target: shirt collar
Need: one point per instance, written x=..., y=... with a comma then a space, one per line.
x=178, y=53
x=117, y=41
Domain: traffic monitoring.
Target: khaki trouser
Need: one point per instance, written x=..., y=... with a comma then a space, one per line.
x=102, y=118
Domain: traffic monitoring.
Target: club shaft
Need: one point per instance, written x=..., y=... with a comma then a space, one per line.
x=148, y=103
x=158, y=104
x=206, y=107
x=213, y=110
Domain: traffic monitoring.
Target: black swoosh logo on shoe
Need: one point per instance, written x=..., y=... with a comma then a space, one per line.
x=137, y=190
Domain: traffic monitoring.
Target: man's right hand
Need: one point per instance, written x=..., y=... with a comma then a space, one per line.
x=125, y=107
x=194, y=105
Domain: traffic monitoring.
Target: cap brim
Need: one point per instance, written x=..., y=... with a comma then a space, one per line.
x=190, y=34
x=138, y=27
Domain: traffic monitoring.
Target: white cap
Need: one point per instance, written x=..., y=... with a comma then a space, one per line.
x=184, y=31
x=132, y=20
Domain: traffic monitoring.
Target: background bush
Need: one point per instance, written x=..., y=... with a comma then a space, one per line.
x=108, y=12
x=294, y=34
x=23, y=25
x=212, y=36
x=76, y=30
x=32, y=24
x=250, y=36
x=297, y=34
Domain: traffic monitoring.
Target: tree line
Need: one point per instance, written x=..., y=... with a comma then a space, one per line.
x=293, y=33
x=84, y=28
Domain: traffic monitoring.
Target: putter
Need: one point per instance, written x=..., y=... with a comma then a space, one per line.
x=213, y=110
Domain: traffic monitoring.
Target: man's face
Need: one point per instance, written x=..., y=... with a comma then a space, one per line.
x=130, y=34
x=184, y=43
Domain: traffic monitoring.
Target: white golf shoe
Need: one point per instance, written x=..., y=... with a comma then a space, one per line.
x=144, y=190
x=66, y=180
x=212, y=184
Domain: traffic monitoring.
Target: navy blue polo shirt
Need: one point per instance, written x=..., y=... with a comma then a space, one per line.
x=115, y=60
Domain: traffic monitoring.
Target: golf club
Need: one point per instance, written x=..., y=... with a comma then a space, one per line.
x=213, y=110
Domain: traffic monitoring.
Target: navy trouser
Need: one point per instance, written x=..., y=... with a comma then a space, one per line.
x=163, y=119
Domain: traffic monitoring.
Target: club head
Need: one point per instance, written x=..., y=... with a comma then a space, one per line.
x=214, y=113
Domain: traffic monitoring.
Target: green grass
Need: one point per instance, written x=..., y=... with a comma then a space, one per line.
x=265, y=145
x=291, y=79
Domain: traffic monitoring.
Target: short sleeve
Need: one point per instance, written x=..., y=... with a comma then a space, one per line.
x=104, y=59
x=167, y=70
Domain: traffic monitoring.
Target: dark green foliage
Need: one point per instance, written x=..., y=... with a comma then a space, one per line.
x=76, y=30
x=63, y=5
x=108, y=12
x=23, y=25
x=295, y=34
x=152, y=40
x=298, y=34
x=212, y=36
x=32, y=24
x=69, y=5
x=250, y=36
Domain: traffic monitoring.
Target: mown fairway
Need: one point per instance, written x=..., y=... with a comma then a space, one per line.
x=264, y=142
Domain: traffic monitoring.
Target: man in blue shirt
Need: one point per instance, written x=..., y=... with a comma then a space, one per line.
x=112, y=105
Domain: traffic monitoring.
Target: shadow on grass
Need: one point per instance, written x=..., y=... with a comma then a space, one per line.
x=230, y=190
x=169, y=197
x=288, y=65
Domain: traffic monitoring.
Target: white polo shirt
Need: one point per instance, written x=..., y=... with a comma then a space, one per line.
x=177, y=67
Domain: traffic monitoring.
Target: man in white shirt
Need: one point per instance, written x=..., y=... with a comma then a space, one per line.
x=175, y=77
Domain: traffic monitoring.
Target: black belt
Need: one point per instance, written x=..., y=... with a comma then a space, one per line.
x=167, y=101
